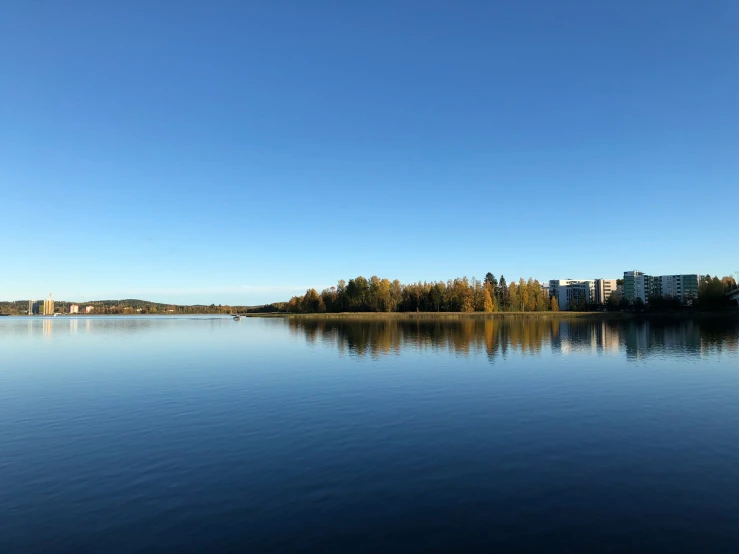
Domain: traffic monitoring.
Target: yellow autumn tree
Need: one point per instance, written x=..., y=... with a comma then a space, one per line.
x=555, y=304
x=487, y=302
x=514, y=302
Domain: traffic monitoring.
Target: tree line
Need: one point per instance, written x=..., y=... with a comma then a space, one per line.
x=455, y=295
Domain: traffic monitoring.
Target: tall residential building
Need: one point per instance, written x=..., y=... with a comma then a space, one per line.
x=572, y=291
x=30, y=306
x=682, y=287
x=89, y=309
x=49, y=306
x=74, y=309
x=639, y=285
x=603, y=290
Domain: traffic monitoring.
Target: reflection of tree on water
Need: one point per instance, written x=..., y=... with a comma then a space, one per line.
x=524, y=336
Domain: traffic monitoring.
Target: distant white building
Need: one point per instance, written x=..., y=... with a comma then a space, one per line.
x=644, y=287
x=49, y=306
x=74, y=309
x=682, y=287
x=604, y=288
x=572, y=291
x=89, y=309
x=581, y=291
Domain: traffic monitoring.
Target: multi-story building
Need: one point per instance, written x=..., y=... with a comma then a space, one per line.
x=604, y=288
x=639, y=285
x=572, y=291
x=74, y=309
x=49, y=306
x=89, y=309
x=634, y=285
x=682, y=287
x=581, y=291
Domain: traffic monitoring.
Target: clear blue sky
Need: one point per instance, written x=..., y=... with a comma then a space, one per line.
x=240, y=152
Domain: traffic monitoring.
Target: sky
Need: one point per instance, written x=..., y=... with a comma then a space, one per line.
x=241, y=152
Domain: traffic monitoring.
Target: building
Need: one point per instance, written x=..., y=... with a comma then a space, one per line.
x=639, y=285
x=632, y=289
x=572, y=291
x=74, y=309
x=682, y=287
x=49, y=306
x=644, y=287
x=604, y=288
x=89, y=309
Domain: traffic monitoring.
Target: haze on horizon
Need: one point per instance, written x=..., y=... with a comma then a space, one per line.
x=241, y=152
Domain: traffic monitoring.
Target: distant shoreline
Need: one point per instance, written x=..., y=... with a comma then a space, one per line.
x=423, y=315
x=500, y=315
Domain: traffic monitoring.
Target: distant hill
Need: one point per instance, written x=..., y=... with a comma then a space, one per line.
x=137, y=306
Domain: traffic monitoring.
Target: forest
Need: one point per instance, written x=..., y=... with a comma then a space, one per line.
x=455, y=295
x=490, y=295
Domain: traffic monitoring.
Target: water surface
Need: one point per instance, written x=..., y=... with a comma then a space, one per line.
x=272, y=435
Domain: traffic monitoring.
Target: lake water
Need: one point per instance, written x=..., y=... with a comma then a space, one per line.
x=273, y=435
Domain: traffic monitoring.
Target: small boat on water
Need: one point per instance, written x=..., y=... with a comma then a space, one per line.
x=237, y=317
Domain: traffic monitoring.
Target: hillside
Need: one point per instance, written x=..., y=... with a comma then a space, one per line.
x=136, y=306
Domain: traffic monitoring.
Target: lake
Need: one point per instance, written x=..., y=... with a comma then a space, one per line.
x=273, y=435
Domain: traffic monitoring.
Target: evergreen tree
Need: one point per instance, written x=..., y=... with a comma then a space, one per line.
x=502, y=293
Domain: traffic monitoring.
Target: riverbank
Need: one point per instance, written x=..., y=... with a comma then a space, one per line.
x=504, y=315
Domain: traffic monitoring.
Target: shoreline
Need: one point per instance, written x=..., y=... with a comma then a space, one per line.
x=501, y=315
x=423, y=315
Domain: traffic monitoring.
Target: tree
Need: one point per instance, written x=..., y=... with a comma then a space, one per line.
x=711, y=294
x=487, y=302
x=729, y=283
x=513, y=303
x=554, y=304
x=311, y=302
x=502, y=293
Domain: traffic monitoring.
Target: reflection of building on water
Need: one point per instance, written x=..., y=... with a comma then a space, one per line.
x=642, y=338
x=581, y=336
x=497, y=337
x=47, y=325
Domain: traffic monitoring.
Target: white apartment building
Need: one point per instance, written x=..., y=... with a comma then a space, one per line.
x=572, y=291
x=644, y=287
x=682, y=287
x=74, y=309
x=603, y=289
x=587, y=291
